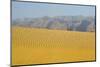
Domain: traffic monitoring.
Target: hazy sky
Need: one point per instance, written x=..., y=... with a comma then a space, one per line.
x=32, y=10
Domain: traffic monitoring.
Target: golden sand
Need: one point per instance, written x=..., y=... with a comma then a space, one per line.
x=40, y=46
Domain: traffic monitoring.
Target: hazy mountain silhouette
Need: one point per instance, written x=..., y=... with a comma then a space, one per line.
x=72, y=23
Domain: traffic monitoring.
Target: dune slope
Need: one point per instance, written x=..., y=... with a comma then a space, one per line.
x=40, y=46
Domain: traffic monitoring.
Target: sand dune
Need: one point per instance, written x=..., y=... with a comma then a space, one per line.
x=39, y=46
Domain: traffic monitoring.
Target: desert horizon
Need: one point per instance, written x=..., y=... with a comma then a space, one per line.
x=45, y=33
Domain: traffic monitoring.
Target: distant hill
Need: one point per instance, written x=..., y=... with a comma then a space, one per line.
x=72, y=23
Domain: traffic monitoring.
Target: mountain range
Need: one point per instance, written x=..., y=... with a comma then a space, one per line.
x=70, y=23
